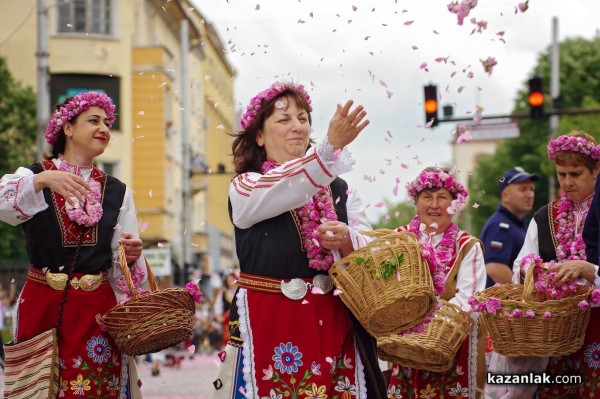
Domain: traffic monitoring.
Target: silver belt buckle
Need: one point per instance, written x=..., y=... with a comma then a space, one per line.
x=324, y=282
x=297, y=288
x=294, y=289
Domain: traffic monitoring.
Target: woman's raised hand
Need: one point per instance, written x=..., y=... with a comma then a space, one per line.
x=346, y=124
x=70, y=186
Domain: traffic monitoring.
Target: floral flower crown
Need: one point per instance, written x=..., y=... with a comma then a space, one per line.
x=574, y=144
x=79, y=103
x=439, y=179
x=267, y=95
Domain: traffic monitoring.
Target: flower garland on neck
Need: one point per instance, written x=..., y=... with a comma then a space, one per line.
x=315, y=212
x=89, y=212
x=568, y=235
x=437, y=257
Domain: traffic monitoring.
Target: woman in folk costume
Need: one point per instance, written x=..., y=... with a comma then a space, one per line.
x=555, y=234
x=291, y=336
x=66, y=205
x=223, y=303
x=438, y=195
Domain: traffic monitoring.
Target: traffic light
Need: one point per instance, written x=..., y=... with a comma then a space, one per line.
x=536, y=98
x=431, y=105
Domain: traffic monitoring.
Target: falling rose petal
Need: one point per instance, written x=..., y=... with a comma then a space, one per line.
x=415, y=48
x=45, y=270
x=60, y=269
x=460, y=89
x=378, y=204
x=404, y=166
x=329, y=360
x=316, y=242
x=317, y=290
x=395, y=190
x=160, y=245
x=304, y=302
x=242, y=390
x=329, y=233
x=337, y=200
x=320, y=322
x=475, y=205
x=150, y=193
x=408, y=23
x=430, y=122
x=279, y=104
x=397, y=213
x=434, y=225
x=436, y=32
x=221, y=127
x=337, y=153
x=257, y=8
x=141, y=113
x=501, y=180
x=336, y=292
x=144, y=226
x=452, y=74
x=389, y=94
x=192, y=348
x=311, y=14
x=452, y=170
x=423, y=66
x=398, y=276
x=354, y=8
x=501, y=33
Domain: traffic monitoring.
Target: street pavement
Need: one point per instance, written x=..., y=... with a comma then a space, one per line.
x=192, y=380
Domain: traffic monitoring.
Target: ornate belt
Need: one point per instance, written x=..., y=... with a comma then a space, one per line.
x=295, y=288
x=58, y=281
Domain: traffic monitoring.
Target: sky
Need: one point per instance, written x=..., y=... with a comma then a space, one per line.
x=380, y=54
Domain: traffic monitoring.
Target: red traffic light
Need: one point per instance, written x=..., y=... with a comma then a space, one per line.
x=536, y=98
x=431, y=105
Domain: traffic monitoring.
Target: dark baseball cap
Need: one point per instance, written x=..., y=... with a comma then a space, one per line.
x=516, y=175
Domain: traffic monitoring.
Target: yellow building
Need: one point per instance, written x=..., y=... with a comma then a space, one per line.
x=164, y=68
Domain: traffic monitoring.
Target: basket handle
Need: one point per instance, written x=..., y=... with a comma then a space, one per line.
x=528, y=286
x=127, y=273
x=378, y=233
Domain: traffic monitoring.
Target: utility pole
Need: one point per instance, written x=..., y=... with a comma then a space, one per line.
x=43, y=79
x=554, y=93
x=186, y=216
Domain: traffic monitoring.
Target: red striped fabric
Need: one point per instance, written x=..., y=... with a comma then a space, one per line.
x=31, y=368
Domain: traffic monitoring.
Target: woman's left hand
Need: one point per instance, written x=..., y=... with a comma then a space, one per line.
x=571, y=270
x=335, y=235
x=132, y=246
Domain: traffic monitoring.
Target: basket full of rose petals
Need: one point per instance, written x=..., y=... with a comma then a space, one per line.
x=388, y=284
x=152, y=321
x=538, y=318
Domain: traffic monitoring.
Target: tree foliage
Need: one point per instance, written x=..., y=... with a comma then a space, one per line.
x=397, y=215
x=18, y=143
x=579, y=88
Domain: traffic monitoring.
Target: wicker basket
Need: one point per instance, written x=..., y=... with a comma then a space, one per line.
x=150, y=322
x=386, y=306
x=560, y=335
x=436, y=347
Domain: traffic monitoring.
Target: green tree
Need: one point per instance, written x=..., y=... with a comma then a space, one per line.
x=580, y=88
x=18, y=143
x=397, y=215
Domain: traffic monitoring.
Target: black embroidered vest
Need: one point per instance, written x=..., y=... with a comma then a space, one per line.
x=544, y=218
x=274, y=247
x=52, y=238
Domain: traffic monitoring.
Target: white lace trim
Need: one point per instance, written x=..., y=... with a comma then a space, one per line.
x=335, y=163
x=124, y=376
x=360, y=374
x=248, y=369
x=473, y=358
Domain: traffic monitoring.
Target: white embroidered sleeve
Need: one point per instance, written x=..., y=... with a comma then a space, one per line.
x=19, y=201
x=357, y=220
x=471, y=277
x=530, y=246
x=126, y=223
x=255, y=197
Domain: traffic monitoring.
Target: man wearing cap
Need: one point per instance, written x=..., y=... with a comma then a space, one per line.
x=504, y=232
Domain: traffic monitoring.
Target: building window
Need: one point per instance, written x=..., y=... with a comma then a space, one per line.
x=85, y=16
x=110, y=168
